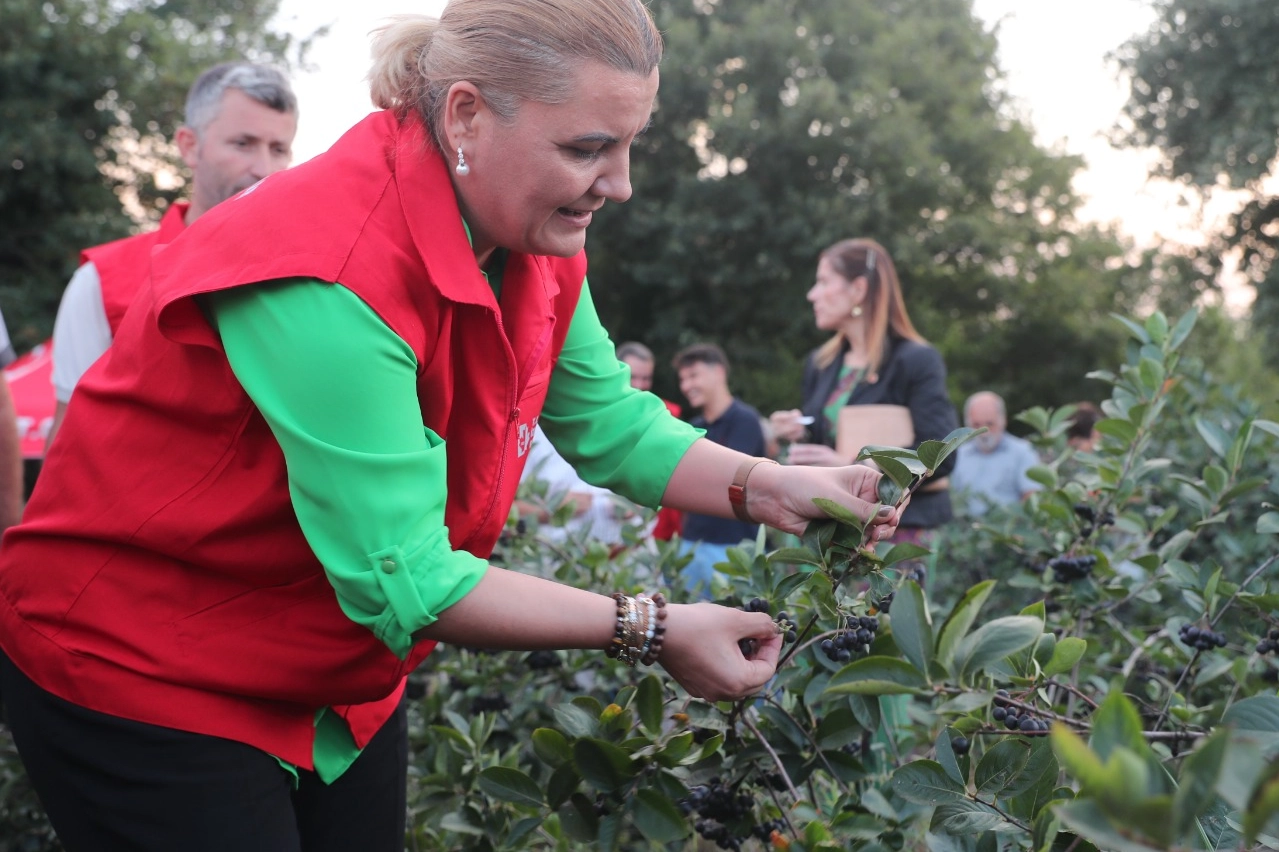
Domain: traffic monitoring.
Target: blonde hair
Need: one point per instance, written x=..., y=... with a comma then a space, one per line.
x=511, y=50
x=885, y=309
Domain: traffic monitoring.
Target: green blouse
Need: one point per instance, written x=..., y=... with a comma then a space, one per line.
x=338, y=389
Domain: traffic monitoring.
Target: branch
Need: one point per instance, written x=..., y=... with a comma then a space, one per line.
x=790, y=785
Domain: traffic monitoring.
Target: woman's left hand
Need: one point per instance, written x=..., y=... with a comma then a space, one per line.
x=782, y=497
x=815, y=454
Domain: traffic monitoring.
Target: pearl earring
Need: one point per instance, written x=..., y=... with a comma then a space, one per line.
x=856, y=311
x=462, y=168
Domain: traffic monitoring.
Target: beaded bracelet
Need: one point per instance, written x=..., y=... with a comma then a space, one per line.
x=638, y=635
x=653, y=649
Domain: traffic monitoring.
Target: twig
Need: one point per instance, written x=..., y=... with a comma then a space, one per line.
x=1003, y=813
x=1254, y=575
x=816, y=748
x=1172, y=693
x=781, y=768
x=1073, y=690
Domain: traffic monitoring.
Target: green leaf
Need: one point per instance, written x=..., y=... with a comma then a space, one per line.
x=1182, y=329
x=1264, y=804
x=1133, y=328
x=1157, y=328
x=1198, y=781
x=1042, y=474
x=1116, y=723
x=1259, y=713
x=511, y=785
x=876, y=676
x=1086, y=819
x=551, y=746
x=839, y=513
x=1124, y=430
x=896, y=470
x=562, y=784
x=965, y=818
x=930, y=453
x=1041, y=768
x=794, y=556
x=902, y=552
x=947, y=758
x=576, y=721
x=1000, y=766
x=579, y=820
x=912, y=628
x=521, y=829
x=924, y=782
x=994, y=641
x=1213, y=436
x=960, y=621
x=648, y=697
x=657, y=818
x=602, y=764
x=1067, y=652
x=1268, y=524
x=1151, y=373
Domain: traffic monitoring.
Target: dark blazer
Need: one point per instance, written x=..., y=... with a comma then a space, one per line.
x=912, y=375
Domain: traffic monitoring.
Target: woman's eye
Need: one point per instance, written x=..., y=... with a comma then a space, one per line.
x=587, y=155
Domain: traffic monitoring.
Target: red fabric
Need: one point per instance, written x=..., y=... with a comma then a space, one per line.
x=123, y=265
x=670, y=522
x=195, y=603
x=30, y=383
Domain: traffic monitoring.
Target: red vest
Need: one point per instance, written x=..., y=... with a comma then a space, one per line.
x=159, y=573
x=123, y=265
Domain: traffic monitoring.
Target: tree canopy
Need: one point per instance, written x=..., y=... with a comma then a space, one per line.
x=784, y=126
x=90, y=94
x=1205, y=92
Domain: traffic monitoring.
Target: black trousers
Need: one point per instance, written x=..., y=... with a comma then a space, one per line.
x=113, y=784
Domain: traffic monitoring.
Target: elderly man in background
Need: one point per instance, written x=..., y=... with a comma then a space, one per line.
x=991, y=469
x=240, y=122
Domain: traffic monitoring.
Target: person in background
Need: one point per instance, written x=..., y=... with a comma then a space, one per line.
x=729, y=422
x=669, y=522
x=875, y=357
x=595, y=510
x=1082, y=435
x=11, y=484
x=239, y=127
x=280, y=486
x=990, y=470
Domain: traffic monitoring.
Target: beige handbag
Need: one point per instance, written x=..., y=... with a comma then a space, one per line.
x=878, y=425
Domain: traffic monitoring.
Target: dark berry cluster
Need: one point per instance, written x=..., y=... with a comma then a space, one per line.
x=717, y=804
x=1069, y=568
x=1015, y=718
x=858, y=633
x=489, y=703
x=764, y=831
x=542, y=660
x=1091, y=519
x=756, y=605
x=1269, y=645
x=1201, y=638
x=960, y=745
x=882, y=604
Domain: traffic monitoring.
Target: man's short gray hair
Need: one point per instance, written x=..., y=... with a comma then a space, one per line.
x=266, y=85
x=1000, y=408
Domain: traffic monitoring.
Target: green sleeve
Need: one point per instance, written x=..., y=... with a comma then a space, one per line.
x=615, y=436
x=367, y=480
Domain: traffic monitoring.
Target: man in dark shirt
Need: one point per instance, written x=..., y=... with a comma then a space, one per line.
x=703, y=379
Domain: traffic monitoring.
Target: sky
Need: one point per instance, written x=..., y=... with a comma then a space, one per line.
x=1053, y=52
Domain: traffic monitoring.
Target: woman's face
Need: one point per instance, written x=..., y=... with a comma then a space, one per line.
x=535, y=183
x=833, y=297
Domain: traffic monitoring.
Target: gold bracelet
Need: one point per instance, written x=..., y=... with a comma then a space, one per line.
x=737, y=491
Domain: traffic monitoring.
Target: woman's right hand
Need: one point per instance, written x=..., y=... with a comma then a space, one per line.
x=701, y=651
x=786, y=425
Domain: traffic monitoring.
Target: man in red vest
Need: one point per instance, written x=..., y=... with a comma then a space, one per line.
x=240, y=122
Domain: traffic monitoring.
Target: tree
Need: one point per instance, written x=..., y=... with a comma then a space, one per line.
x=783, y=126
x=90, y=93
x=1205, y=91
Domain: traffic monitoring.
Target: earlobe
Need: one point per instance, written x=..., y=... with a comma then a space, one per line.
x=187, y=143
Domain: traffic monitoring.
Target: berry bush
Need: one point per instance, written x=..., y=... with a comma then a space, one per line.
x=1093, y=670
